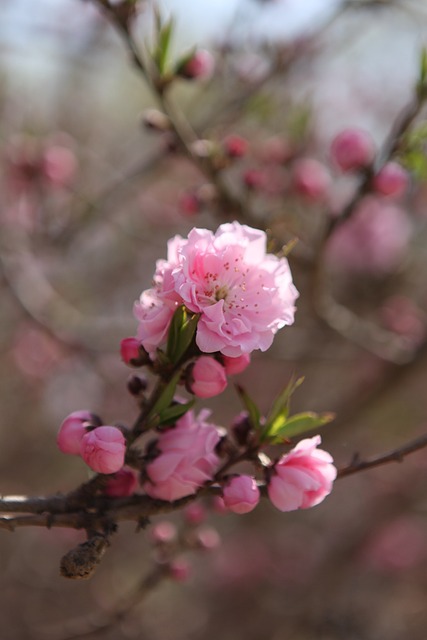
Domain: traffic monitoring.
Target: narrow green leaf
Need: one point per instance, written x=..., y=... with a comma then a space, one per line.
x=282, y=403
x=163, y=46
x=165, y=398
x=422, y=78
x=181, y=333
x=300, y=423
x=251, y=407
x=174, y=412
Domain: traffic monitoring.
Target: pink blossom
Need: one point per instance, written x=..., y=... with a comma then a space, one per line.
x=373, y=240
x=352, y=149
x=391, y=180
x=187, y=458
x=208, y=538
x=310, y=179
x=72, y=431
x=163, y=532
x=208, y=378
x=189, y=203
x=241, y=494
x=254, y=178
x=235, y=146
x=103, y=449
x=303, y=477
x=243, y=294
x=233, y=366
x=129, y=349
x=201, y=65
x=156, y=306
x=59, y=165
x=121, y=484
x=195, y=513
x=180, y=570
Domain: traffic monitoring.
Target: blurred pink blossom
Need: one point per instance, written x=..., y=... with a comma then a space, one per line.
x=187, y=458
x=303, y=477
x=310, y=179
x=200, y=66
x=103, y=449
x=391, y=180
x=397, y=546
x=352, y=149
x=373, y=240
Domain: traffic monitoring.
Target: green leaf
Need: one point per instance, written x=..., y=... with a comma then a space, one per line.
x=422, y=78
x=174, y=412
x=298, y=424
x=181, y=333
x=165, y=398
x=250, y=406
x=281, y=405
x=163, y=45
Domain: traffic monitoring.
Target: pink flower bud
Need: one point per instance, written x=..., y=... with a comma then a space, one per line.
x=163, y=532
x=195, y=513
x=235, y=146
x=208, y=378
x=59, y=165
x=129, y=350
x=72, y=431
x=233, y=366
x=122, y=484
x=391, y=180
x=218, y=505
x=201, y=65
x=241, y=494
x=180, y=570
x=189, y=203
x=310, y=179
x=352, y=149
x=254, y=179
x=276, y=150
x=303, y=477
x=103, y=449
x=208, y=538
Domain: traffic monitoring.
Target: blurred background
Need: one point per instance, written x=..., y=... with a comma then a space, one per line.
x=91, y=191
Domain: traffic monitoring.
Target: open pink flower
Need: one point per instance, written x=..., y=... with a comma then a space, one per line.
x=303, y=477
x=103, y=449
x=187, y=458
x=241, y=494
x=244, y=295
x=156, y=306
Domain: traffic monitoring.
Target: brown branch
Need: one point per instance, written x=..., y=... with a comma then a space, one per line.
x=396, y=455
